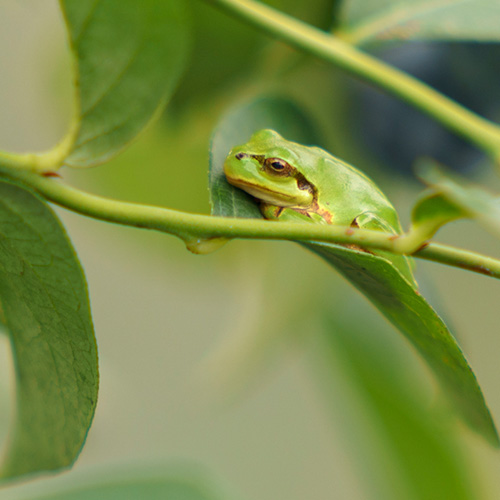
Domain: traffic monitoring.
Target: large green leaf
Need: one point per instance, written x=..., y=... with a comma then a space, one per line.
x=128, y=56
x=403, y=305
x=46, y=307
x=376, y=277
x=369, y=20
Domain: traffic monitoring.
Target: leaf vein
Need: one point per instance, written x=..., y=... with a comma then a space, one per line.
x=119, y=77
x=86, y=23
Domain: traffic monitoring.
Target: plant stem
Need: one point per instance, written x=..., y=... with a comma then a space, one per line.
x=478, y=130
x=460, y=258
x=191, y=228
x=205, y=233
x=40, y=162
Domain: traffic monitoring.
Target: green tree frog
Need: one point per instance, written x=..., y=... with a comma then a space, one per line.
x=302, y=183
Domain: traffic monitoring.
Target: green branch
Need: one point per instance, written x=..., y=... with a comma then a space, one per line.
x=40, y=162
x=463, y=259
x=478, y=130
x=204, y=233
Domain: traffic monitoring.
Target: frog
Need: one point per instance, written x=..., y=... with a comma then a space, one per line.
x=305, y=184
x=298, y=183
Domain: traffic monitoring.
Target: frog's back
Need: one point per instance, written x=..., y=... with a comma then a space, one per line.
x=347, y=193
x=342, y=192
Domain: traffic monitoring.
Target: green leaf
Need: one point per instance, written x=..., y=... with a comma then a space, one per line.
x=452, y=198
x=372, y=20
x=376, y=277
x=46, y=307
x=152, y=488
x=431, y=212
x=128, y=58
x=403, y=446
x=278, y=113
x=403, y=305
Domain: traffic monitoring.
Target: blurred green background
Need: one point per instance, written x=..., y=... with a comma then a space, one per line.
x=211, y=359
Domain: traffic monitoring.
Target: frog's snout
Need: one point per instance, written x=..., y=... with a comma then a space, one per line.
x=240, y=156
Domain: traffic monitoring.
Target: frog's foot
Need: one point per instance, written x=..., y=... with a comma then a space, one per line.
x=369, y=220
x=289, y=214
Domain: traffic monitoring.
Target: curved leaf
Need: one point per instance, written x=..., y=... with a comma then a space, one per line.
x=150, y=488
x=452, y=198
x=376, y=277
x=432, y=211
x=46, y=307
x=363, y=21
x=402, y=304
x=128, y=57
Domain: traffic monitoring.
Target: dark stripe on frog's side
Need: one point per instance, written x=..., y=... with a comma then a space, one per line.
x=304, y=185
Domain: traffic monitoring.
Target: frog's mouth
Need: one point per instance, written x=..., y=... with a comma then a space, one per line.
x=266, y=194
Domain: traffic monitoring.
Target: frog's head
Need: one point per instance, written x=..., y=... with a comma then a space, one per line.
x=267, y=168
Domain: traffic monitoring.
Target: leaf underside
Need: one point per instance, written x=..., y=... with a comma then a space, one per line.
x=47, y=312
x=128, y=56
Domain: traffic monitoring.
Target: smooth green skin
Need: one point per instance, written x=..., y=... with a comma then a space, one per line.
x=318, y=188
x=322, y=189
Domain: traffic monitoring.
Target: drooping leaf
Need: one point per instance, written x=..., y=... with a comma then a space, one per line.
x=451, y=198
x=128, y=57
x=364, y=21
x=46, y=308
x=375, y=276
x=402, y=304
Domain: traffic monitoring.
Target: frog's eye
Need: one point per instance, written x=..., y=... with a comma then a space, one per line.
x=278, y=166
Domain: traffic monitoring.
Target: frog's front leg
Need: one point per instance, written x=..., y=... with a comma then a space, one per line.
x=289, y=214
x=404, y=264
